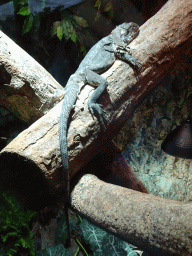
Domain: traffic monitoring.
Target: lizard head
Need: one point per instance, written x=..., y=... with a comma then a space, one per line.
x=125, y=33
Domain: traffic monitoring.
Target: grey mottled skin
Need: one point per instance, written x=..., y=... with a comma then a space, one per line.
x=99, y=58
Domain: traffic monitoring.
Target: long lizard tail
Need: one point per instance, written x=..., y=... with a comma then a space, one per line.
x=68, y=103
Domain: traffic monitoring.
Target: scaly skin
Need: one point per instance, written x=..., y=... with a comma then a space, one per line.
x=99, y=58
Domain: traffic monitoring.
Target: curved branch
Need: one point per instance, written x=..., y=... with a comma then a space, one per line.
x=157, y=225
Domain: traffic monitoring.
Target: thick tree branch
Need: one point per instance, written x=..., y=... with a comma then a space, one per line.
x=161, y=45
x=157, y=225
x=27, y=89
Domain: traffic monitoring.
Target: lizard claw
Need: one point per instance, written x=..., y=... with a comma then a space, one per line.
x=97, y=111
x=137, y=64
x=101, y=106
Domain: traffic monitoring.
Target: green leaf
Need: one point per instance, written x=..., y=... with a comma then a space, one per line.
x=98, y=4
x=82, y=49
x=103, y=243
x=114, y=246
x=129, y=250
x=55, y=250
x=80, y=21
x=93, y=235
x=55, y=26
x=24, y=11
x=14, y=228
x=5, y=237
x=108, y=7
x=61, y=233
x=11, y=251
x=67, y=28
x=60, y=33
x=28, y=23
x=98, y=14
x=74, y=36
x=27, y=242
x=8, y=225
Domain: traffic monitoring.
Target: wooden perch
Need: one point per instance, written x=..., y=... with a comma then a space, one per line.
x=163, y=42
x=27, y=89
x=28, y=102
x=158, y=47
x=157, y=225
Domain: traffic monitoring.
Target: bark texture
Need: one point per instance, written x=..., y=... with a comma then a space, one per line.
x=163, y=41
x=160, y=226
x=26, y=88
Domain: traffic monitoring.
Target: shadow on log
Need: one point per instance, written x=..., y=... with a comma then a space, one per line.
x=22, y=177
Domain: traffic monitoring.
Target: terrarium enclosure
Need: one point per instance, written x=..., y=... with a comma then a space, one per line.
x=154, y=99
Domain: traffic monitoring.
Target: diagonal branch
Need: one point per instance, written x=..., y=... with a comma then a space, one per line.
x=163, y=43
x=27, y=89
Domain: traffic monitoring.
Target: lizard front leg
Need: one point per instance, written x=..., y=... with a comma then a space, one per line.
x=96, y=109
x=125, y=56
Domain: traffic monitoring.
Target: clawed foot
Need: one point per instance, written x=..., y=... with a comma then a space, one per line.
x=125, y=56
x=137, y=64
x=97, y=110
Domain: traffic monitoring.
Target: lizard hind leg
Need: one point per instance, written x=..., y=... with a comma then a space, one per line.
x=96, y=109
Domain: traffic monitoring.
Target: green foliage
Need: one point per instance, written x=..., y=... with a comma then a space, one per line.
x=108, y=8
x=80, y=21
x=56, y=250
x=61, y=231
x=93, y=236
x=64, y=27
x=97, y=4
x=28, y=23
x=67, y=26
x=103, y=243
x=14, y=226
x=58, y=22
x=24, y=11
x=99, y=241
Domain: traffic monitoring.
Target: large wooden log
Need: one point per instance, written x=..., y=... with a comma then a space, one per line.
x=31, y=164
x=26, y=88
x=158, y=47
x=29, y=91
x=160, y=226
